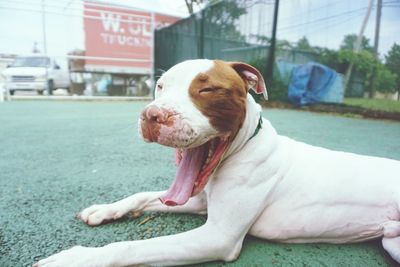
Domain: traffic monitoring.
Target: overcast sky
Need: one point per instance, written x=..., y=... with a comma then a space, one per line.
x=324, y=22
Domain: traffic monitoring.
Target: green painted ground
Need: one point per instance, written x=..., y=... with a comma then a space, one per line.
x=58, y=158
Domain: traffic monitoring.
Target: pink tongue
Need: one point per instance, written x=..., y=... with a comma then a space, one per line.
x=188, y=170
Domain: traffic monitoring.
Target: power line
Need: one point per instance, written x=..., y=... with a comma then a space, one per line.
x=32, y=3
x=90, y=6
x=60, y=8
x=322, y=19
x=71, y=15
x=335, y=23
x=311, y=10
x=301, y=14
x=329, y=23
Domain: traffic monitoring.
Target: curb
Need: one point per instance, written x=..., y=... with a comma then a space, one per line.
x=81, y=98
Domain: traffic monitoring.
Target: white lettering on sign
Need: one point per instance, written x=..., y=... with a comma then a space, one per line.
x=124, y=40
x=138, y=30
x=109, y=20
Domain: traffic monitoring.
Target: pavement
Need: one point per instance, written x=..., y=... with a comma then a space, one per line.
x=57, y=158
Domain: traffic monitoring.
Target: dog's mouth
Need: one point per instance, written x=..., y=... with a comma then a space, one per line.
x=195, y=165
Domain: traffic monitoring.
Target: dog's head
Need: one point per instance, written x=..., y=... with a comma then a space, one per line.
x=199, y=107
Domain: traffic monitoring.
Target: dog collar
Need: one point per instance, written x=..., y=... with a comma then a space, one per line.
x=259, y=126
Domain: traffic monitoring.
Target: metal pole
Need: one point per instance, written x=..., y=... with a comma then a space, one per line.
x=271, y=54
x=201, y=47
x=2, y=92
x=44, y=28
x=377, y=26
x=153, y=43
x=357, y=45
x=376, y=45
x=45, y=45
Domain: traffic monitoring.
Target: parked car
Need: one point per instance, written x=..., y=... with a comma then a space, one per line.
x=35, y=73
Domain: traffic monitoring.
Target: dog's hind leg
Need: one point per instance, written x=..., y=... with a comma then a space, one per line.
x=145, y=201
x=391, y=239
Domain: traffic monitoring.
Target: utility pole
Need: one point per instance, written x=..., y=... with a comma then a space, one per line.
x=271, y=54
x=372, y=88
x=44, y=28
x=357, y=44
x=377, y=26
x=201, y=42
x=48, y=87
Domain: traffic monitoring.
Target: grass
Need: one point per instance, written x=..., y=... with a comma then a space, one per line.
x=375, y=104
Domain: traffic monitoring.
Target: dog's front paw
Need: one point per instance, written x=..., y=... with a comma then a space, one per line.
x=97, y=214
x=75, y=257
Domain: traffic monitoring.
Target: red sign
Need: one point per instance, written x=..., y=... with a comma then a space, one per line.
x=119, y=39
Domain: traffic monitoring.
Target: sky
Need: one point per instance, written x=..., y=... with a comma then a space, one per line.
x=326, y=22
x=323, y=22
x=21, y=23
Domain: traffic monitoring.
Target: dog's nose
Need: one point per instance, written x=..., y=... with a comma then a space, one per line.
x=152, y=119
x=155, y=114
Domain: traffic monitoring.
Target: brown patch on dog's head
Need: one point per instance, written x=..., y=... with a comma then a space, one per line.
x=220, y=94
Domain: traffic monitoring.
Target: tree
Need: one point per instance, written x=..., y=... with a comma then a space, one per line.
x=393, y=64
x=304, y=44
x=349, y=40
x=220, y=19
x=190, y=5
x=385, y=79
x=280, y=44
x=365, y=63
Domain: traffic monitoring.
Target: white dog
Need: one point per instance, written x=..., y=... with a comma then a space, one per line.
x=233, y=166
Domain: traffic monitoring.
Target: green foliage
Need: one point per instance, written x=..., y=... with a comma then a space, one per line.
x=330, y=58
x=393, y=63
x=365, y=63
x=304, y=45
x=220, y=19
x=191, y=3
x=385, y=80
x=280, y=44
x=283, y=44
x=277, y=90
x=349, y=40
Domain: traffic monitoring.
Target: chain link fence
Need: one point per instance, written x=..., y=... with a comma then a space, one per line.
x=232, y=31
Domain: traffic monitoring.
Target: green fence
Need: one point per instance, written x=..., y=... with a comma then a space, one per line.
x=227, y=30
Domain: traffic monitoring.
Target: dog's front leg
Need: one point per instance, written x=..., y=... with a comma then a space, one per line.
x=205, y=243
x=231, y=214
x=145, y=201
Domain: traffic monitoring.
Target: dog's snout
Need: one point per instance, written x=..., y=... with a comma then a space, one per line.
x=152, y=119
x=155, y=114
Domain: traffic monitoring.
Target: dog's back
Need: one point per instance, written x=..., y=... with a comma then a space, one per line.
x=330, y=196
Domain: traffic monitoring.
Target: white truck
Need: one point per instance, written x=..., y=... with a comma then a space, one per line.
x=35, y=73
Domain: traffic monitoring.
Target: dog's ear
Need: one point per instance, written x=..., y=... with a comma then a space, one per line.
x=253, y=78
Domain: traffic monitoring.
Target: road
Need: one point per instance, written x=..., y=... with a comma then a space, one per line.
x=57, y=158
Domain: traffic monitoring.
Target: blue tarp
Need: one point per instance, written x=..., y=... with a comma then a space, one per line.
x=314, y=83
